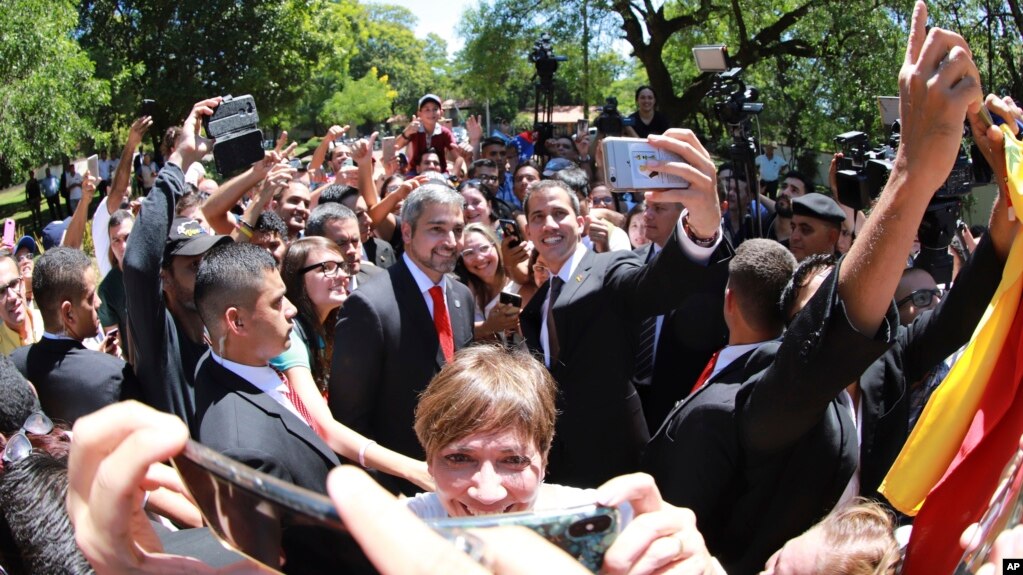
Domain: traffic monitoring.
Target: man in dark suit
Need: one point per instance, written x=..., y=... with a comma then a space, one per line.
x=394, y=335
x=796, y=430
x=71, y=380
x=339, y=224
x=599, y=301
x=244, y=408
x=666, y=369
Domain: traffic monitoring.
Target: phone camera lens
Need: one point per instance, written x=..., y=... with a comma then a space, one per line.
x=590, y=525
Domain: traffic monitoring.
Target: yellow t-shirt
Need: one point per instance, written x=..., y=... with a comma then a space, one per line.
x=10, y=339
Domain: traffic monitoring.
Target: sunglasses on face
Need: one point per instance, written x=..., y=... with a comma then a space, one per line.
x=920, y=297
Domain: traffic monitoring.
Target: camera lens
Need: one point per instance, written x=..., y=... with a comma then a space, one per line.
x=590, y=525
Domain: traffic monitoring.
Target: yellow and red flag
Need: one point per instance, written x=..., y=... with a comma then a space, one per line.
x=971, y=425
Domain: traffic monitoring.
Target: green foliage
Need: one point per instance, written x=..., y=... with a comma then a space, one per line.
x=385, y=42
x=365, y=101
x=581, y=30
x=182, y=51
x=48, y=95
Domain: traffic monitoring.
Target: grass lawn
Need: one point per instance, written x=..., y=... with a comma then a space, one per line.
x=13, y=205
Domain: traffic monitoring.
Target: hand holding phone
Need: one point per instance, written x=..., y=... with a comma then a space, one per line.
x=632, y=164
x=584, y=532
x=510, y=229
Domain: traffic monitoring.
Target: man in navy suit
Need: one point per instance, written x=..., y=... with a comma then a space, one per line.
x=585, y=323
x=247, y=410
x=396, y=331
x=71, y=380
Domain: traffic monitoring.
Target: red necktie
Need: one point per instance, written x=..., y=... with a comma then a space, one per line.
x=705, y=375
x=442, y=323
x=292, y=395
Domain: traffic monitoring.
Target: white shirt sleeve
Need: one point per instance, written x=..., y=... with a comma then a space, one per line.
x=101, y=238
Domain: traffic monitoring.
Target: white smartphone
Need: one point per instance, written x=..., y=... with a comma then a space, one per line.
x=627, y=166
x=90, y=164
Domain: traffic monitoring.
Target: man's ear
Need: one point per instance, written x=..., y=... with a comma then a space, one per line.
x=67, y=313
x=406, y=232
x=235, y=324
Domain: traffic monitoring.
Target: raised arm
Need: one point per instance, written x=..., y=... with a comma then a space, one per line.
x=75, y=231
x=217, y=206
x=320, y=154
x=122, y=175
x=937, y=83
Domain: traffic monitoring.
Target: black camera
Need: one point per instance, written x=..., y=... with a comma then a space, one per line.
x=734, y=102
x=862, y=171
x=235, y=126
x=544, y=59
x=610, y=122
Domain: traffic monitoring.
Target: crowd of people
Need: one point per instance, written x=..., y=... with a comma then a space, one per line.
x=734, y=365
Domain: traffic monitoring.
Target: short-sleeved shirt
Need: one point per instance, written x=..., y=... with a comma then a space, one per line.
x=770, y=167
x=440, y=140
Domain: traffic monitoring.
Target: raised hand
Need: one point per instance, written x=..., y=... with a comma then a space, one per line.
x=191, y=146
x=938, y=81
x=362, y=150
x=474, y=128
x=697, y=168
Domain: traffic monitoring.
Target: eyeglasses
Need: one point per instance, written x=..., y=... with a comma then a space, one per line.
x=486, y=178
x=920, y=297
x=602, y=200
x=331, y=269
x=13, y=285
x=18, y=445
x=482, y=251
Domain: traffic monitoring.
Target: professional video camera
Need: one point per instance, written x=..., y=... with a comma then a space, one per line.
x=544, y=60
x=546, y=63
x=610, y=122
x=863, y=173
x=734, y=102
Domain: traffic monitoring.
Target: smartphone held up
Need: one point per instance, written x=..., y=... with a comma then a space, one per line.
x=632, y=164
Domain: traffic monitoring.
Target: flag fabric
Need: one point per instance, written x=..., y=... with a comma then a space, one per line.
x=971, y=426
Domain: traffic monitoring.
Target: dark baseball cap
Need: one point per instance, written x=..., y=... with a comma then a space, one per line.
x=188, y=238
x=53, y=233
x=816, y=205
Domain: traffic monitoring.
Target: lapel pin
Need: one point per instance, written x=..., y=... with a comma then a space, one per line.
x=579, y=278
x=458, y=303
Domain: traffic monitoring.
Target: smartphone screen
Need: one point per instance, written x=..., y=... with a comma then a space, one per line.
x=251, y=511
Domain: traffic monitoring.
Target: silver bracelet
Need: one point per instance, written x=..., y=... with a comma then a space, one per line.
x=362, y=452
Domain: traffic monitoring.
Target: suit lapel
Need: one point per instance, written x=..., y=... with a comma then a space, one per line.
x=566, y=336
x=459, y=312
x=292, y=423
x=414, y=309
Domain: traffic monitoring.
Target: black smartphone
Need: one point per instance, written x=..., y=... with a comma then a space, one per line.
x=584, y=532
x=234, y=125
x=510, y=229
x=510, y=299
x=252, y=512
x=148, y=108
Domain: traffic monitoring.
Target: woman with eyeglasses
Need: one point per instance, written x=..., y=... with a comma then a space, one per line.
x=482, y=268
x=316, y=279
